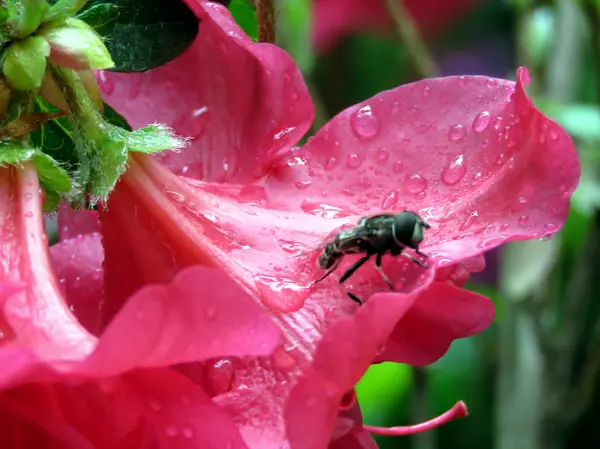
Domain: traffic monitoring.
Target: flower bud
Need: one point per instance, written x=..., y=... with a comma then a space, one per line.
x=30, y=14
x=77, y=46
x=25, y=63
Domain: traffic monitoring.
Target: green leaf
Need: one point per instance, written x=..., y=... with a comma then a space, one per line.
x=63, y=9
x=14, y=151
x=52, y=200
x=52, y=175
x=154, y=138
x=25, y=63
x=102, y=18
x=245, y=16
x=115, y=118
x=147, y=33
x=580, y=120
x=294, y=31
x=55, y=137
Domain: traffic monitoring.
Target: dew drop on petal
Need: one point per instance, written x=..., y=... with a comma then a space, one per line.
x=364, y=123
x=482, y=121
x=188, y=432
x=28, y=214
x=550, y=226
x=426, y=91
x=398, y=166
x=353, y=160
x=553, y=135
x=105, y=82
x=523, y=220
x=383, y=154
x=457, y=133
x=415, y=183
x=171, y=431
x=390, y=200
x=156, y=405
x=454, y=171
x=331, y=163
x=302, y=185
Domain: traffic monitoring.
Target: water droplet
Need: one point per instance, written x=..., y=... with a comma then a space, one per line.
x=415, y=183
x=353, y=160
x=454, y=171
x=188, y=432
x=156, y=405
x=492, y=83
x=470, y=221
x=106, y=83
x=550, y=226
x=553, y=135
x=457, y=133
x=28, y=197
x=390, y=200
x=136, y=85
x=364, y=123
x=482, y=121
x=323, y=210
x=426, y=91
x=290, y=247
x=171, y=431
x=504, y=227
x=28, y=214
x=463, y=81
x=383, y=154
x=523, y=220
x=330, y=165
x=302, y=185
x=501, y=159
x=211, y=313
x=498, y=123
x=398, y=166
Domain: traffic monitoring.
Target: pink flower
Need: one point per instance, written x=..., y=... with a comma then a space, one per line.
x=471, y=154
x=60, y=386
x=335, y=19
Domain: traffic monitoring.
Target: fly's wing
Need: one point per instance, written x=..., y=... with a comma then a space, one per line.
x=353, y=240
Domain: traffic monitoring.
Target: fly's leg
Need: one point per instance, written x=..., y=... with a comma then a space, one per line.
x=350, y=271
x=418, y=262
x=421, y=254
x=331, y=270
x=352, y=296
x=383, y=275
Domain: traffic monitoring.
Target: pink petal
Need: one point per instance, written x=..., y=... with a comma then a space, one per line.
x=244, y=104
x=72, y=223
x=200, y=315
x=78, y=265
x=470, y=154
x=146, y=409
x=425, y=333
x=36, y=317
x=335, y=19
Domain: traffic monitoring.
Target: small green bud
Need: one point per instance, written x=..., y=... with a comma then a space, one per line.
x=77, y=46
x=30, y=16
x=25, y=63
x=63, y=9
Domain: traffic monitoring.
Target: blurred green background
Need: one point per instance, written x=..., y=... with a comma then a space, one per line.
x=531, y=380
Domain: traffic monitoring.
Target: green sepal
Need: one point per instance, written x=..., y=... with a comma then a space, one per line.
x=25, y=63
x=63, y=9
x=50, y=172
x=30, y=15
x=14, y=151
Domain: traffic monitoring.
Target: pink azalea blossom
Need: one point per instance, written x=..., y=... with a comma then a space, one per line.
x=335, y=19
x=203, y=299
x=472, y=155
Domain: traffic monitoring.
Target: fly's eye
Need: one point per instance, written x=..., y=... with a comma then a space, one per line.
x=417, y=235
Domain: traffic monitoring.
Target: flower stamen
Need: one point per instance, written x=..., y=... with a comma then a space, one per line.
x=459, y=410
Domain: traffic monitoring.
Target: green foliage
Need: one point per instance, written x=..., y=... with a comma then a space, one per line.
x=142, y=34
x=293, y=31
x=25, y=63
x=245, y=16
x=14, y=151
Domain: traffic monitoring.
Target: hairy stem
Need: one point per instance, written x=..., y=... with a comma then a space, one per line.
x=420, y=56
x=265, y=12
